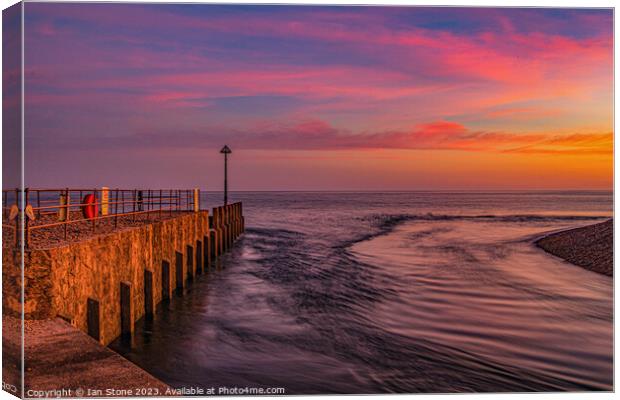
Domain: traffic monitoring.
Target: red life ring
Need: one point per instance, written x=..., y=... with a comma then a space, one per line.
x=89, y=207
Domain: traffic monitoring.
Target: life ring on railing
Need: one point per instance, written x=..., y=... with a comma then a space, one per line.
x=89, y=206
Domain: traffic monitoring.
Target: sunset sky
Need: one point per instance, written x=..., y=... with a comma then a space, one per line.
x=318, y=98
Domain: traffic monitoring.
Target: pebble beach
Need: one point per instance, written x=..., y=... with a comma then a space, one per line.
x=590, y=247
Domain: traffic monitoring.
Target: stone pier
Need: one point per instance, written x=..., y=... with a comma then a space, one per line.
x=103, y=284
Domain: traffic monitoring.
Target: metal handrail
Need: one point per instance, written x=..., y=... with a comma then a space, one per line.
x=140, y=202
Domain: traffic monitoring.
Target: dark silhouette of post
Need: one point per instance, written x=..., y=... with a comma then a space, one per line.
x=226, y=151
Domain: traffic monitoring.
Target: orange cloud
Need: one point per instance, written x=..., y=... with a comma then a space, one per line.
x=599, y=143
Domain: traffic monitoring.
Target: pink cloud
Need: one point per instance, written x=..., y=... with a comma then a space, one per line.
x=320, y=135
x=417, y=75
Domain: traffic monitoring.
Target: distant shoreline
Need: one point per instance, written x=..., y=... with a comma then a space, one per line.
x=590, y=247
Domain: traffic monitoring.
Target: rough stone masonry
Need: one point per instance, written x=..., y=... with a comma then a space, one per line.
x=63, y=281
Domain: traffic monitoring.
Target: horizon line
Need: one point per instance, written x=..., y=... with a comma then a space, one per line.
x=406, y=190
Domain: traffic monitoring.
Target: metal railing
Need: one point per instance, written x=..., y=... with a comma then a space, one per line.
x=53, y=208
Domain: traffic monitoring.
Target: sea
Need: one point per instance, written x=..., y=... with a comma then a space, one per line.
x=391, y=292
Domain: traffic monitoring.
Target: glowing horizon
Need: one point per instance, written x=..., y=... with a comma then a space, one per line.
x=319, y=98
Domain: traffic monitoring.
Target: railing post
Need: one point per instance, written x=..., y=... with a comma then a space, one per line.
x=17, y=230
x=133, y=216
x=96, y=215
x=25, y=217
x=196, y=200
x=148, y=205
x=105, y=201
x=116, y=208
x=67, y=211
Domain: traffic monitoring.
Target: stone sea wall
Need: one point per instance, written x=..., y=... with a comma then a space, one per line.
x=83, y=282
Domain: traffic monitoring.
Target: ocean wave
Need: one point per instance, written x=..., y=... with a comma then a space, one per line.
x=385, y=223
x=389, y=220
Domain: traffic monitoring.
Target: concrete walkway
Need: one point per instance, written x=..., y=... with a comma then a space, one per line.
x=63, y=361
